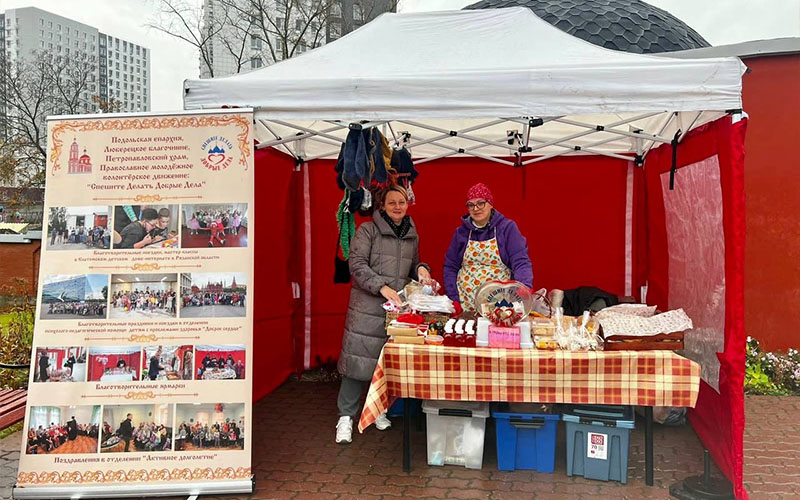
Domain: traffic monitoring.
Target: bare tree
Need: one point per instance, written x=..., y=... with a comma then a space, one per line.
x=184, y=20
x=42, y=85
x=255, y=33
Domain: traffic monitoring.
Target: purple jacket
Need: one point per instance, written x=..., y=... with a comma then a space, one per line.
x=512, y=245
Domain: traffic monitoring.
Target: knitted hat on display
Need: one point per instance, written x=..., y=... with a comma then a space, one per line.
x=480, y=191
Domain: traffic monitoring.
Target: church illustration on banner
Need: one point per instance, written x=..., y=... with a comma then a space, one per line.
x=79, y=165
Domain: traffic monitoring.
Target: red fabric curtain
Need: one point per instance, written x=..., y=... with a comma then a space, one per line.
x=571, y=210
x=278, y=209
x=718, y=417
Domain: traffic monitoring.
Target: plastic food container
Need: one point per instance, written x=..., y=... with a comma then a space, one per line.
x=434, y=340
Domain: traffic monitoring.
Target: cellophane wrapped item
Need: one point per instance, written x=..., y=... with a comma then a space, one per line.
x=431, y=303
x=582, y=335
x=588, y=333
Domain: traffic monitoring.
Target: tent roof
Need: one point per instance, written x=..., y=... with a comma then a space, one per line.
x=473, y=64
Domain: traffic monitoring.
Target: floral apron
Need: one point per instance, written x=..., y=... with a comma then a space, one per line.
x=481, y=263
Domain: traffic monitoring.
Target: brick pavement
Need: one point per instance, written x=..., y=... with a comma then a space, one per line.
x=296, y=458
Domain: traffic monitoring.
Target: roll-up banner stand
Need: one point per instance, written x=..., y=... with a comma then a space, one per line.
x=141, y=372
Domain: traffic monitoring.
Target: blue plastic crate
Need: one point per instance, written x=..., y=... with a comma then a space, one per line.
x=598, y=438
x=525, y=440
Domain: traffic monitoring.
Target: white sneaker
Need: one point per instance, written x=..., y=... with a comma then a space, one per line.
x=382, y=423
x=344, y=430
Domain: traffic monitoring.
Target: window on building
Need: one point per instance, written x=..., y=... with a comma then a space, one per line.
x=67, y=30
x=41, y=33
x=58, y=27
x=255, y=42
x=124, y=58
x=41, y=43
x=41, y=22
x=255, y=63
x=358, y=13
x=50, y=35
x=279, y=44
x=336, y=9
x=298, y=24
x=49, y=24
x=279, y=23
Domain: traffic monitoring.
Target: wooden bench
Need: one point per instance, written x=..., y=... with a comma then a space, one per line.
x=12, y=406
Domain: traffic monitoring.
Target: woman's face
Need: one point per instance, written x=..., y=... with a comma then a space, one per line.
x=480, y=210
x=395, y=206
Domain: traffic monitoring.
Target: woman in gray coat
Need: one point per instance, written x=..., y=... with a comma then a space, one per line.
x=384, y=257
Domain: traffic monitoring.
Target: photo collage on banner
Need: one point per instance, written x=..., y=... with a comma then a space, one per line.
x=144, y=315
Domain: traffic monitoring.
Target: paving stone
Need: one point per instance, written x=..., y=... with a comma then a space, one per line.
x=371, y=469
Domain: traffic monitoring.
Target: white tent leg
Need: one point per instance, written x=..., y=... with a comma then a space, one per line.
x=629, y=231
x=307, y=263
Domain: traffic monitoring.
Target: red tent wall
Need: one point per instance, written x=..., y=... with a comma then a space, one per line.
x=572, y=211
x=718, y=418
x=277, y=250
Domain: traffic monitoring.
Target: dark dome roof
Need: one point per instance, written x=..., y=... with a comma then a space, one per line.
x=626, y=25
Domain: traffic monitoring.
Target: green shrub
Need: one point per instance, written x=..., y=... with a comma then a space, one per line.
x=771, y=373
x=16, y=336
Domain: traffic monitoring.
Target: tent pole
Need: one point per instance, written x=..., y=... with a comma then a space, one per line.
x=666, y=124
x=285, y=148
x=606, y=128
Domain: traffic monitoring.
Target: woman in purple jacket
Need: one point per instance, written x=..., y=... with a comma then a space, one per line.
x=486, y=246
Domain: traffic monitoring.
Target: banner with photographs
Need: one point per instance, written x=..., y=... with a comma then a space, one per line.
x=141, y=373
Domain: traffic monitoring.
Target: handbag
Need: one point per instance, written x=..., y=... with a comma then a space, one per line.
x=341, y=267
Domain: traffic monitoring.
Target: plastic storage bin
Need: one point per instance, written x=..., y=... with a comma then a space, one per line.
x=456, y=432
x=526, y=436
x=597, y=441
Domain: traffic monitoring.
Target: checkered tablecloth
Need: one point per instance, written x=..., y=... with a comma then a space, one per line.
x=646, y=378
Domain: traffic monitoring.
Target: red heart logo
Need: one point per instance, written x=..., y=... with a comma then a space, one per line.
x=216, y=158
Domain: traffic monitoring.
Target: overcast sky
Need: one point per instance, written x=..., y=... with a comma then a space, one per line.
x=172, y=61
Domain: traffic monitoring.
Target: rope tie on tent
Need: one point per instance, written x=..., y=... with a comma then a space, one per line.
x=674, y=167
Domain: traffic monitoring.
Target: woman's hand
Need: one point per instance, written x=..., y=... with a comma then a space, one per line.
x=391, y=295
x=423, y=273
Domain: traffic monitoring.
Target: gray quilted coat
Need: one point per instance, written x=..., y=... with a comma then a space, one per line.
x=377, y=258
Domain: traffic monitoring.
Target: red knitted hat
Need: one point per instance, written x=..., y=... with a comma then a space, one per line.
x=480, y=191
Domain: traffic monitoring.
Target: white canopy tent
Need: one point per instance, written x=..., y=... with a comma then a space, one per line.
x=505, y=86
x=487, y=83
